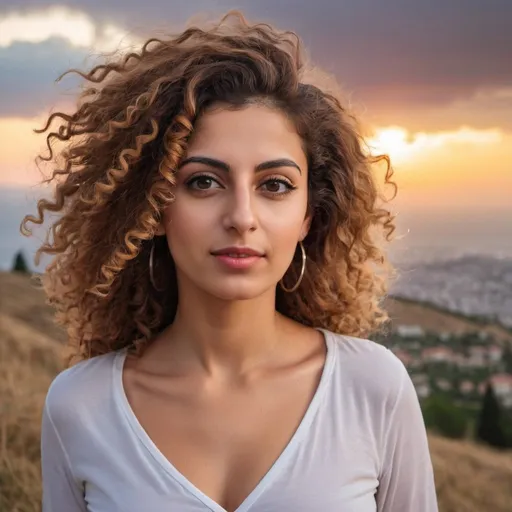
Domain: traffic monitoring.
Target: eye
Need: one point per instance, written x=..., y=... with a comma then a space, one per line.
x=202, y=182
x=278, y=186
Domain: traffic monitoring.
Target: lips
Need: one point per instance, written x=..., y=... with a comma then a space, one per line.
x=238, y=252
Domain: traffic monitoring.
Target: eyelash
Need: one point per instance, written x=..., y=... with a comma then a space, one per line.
x=289, y=186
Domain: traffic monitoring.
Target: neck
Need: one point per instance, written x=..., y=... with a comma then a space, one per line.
x=224, y=337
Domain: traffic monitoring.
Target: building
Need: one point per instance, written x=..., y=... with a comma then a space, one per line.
x=438, y=355
x=420, y=381
x=422, y=390
x=444, y=384
x=483, y=335
x=494, y=354
x=410, y=331
x=502, y=384
x=477, y=357
x=445, y=336
x=466, y=386
x=404, y=356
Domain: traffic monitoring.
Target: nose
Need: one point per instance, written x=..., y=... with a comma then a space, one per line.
x=240, y=213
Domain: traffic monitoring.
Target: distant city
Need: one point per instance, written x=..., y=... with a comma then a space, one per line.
x=472, y=285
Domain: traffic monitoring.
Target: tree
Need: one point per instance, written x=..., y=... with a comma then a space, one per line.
x=507, y=358
x=441, y=415
x=20, y=264
x=490, y=427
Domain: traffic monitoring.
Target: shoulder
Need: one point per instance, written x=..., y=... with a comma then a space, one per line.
x=78, y=388
x=364, y=354
x=370, y=370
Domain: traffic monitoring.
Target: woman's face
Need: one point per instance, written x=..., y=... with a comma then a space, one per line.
x=240, y=203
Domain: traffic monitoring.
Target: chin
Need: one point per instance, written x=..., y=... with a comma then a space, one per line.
x=237, y=289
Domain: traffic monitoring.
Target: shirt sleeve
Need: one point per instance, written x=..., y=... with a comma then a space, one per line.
x=61, y=491
x=406, y=482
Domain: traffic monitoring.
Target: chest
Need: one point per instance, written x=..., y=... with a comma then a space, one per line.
x=223, y=442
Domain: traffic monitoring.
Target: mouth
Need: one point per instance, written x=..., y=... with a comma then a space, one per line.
x=238, y=252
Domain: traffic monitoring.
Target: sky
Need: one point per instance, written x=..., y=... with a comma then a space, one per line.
x=431, y=81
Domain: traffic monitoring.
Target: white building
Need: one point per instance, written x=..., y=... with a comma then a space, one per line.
x=466, y=386
x=438, y=355
x=423, y=390
x=502, y=384
x=477, y=357
x=483, y=335
x=410, y=331
x=444, y=384
x=445, y=336
x=494, y=354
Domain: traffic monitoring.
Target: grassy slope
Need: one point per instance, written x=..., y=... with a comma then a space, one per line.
x=435, y=319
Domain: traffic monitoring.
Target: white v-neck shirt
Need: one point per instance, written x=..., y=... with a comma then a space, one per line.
x=360, y=447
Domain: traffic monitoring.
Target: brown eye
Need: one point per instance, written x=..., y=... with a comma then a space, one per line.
x=202, y=183
x=273, y=185
x=277, y=186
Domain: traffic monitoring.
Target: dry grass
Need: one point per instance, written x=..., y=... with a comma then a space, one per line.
x=28, y=362
x=469, y=478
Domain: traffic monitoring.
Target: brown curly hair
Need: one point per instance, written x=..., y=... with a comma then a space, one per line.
x=122, y=147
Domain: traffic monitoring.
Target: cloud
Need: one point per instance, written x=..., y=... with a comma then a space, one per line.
x=392, y=51
x=388, y=55
x=38, y=26
x=38, y=46
x=76, y=27
x=402, y=145
x=29, y=72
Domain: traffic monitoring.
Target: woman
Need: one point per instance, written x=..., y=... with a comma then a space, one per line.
x=217, y=272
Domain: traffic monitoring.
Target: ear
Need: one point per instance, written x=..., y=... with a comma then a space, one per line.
x=160, y=230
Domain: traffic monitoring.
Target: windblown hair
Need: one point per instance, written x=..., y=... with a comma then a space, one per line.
x=115, y=173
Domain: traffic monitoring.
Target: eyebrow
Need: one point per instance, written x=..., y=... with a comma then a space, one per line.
x=223, y=166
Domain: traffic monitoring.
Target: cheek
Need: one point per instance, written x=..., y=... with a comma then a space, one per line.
x=185, y=225
x=285, y=221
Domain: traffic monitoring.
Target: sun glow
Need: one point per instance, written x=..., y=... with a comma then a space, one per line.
x=392, y=141
x=402, y=146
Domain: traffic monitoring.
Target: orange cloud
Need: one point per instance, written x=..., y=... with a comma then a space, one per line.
x=463, y=168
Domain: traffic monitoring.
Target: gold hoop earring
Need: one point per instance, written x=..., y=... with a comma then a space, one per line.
x=302, y=270
x=151, y=266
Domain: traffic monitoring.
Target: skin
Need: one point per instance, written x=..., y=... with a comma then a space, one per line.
x=206, y=386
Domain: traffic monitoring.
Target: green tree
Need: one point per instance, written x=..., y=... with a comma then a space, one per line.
x=20, y=264
x=507, y=428
x=507, y=358
x=442, y=415
x=490, y=427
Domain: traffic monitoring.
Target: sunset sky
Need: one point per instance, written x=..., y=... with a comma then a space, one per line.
x=432, y=80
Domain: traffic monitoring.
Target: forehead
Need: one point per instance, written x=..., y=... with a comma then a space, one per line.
x=253, y=132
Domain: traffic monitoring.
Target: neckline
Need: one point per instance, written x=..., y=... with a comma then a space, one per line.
x=129, y=415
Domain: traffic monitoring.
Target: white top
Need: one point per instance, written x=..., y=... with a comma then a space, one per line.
x=360, y=447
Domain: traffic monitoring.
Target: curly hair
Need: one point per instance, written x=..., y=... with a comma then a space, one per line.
x=122, y=147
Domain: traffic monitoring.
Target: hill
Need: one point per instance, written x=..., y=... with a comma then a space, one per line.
x=435, y=319
x=469, y=477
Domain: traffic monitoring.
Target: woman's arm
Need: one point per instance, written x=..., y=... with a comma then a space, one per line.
x=61, y=492
x=406, y=482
